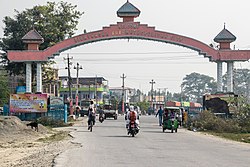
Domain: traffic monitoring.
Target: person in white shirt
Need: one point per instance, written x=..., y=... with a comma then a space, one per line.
x=92, y=113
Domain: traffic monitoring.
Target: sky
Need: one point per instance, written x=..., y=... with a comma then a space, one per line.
x=140, y=60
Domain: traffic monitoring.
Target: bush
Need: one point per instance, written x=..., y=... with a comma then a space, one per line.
x=207, y=121
x=48, y=121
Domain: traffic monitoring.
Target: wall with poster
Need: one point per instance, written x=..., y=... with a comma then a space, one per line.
x=26, y=103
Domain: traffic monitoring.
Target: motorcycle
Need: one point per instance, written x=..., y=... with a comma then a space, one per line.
x=101, y=118
x=133, y=128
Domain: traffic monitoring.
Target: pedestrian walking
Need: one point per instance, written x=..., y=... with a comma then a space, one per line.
x=159, y=114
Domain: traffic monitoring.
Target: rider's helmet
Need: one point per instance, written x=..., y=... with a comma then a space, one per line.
x=131, y=108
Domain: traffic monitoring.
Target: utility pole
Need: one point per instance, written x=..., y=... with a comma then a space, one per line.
x=159, y=99
x=152, y=92
x=77, y=67
x=69, y=83
x=96, y=89
x=164, y=98
x=123, y=78
x=89, y=89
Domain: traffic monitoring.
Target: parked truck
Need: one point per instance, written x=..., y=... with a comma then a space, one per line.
x=221, y=103
x=110, y=111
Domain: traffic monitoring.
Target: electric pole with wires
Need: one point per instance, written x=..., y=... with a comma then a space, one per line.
x=123, y=90
x=152, y=93
x=69, y=84
x=77, y=67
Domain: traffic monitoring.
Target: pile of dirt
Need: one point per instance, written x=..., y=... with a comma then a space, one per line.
x=13, y=129
x=22, y=146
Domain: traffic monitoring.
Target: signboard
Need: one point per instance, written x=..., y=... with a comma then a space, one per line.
x=20, y=89
x=56, y=100
x=26, y=103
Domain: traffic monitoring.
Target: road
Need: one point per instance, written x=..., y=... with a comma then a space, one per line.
x=108, y=145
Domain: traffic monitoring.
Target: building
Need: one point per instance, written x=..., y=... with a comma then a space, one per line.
x=88, y=88
x=118, y=91
x=51, y=83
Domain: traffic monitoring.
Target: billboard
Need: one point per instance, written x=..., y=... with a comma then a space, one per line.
x=26, y=103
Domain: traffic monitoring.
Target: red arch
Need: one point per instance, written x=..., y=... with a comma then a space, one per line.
x=132, y=30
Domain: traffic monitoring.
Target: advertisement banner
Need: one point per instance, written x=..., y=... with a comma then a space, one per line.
x=27, y=103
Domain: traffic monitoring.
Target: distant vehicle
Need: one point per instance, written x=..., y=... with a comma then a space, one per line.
x=110, y=111
x=192, y=108
x=84, y=104
x=170, y=121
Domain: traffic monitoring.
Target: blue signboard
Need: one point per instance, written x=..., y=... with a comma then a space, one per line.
x=20, y=89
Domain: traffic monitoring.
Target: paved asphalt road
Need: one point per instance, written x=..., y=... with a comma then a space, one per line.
x=109, y=146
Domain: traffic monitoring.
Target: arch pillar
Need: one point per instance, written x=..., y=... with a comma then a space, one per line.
x=28, y=77
x=219, y=76
x=39, y=77
x=33, y=39
x=230, y=76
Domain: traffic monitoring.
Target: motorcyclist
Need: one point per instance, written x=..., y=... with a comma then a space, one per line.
x=132, y=115
x=101, y=113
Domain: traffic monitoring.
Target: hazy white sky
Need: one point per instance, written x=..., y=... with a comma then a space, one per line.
x=140, y=60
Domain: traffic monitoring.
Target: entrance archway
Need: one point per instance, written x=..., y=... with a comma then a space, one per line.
x=128, y=29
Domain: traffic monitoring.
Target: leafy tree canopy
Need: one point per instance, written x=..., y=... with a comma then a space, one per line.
x=54, y=21
x=4, y=93
x=240, y=81
x=195, y=85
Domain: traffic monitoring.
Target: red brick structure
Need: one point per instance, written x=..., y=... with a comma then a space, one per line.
x=129, y=29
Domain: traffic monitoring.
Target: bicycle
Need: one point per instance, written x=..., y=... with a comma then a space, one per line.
x=91, y=123
x=91, y=126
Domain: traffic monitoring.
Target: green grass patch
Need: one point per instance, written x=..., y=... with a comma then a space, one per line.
x=241, y=137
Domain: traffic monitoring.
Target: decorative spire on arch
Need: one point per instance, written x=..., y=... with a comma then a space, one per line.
x=224, y=38
x=128, y=12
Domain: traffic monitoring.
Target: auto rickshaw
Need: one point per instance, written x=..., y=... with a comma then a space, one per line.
x=170, y=121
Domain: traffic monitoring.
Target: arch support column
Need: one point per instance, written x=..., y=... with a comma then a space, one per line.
x=219, y=76
x=39, y=77
x=230, y=76
x=28, y=77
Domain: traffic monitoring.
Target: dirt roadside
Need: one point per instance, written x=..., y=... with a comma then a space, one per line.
x=22, y=146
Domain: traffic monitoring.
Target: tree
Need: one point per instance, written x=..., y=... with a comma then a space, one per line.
x=195, y=85
x=54, y=21
x=143, y=105
x=240, y=81
x=4, y=93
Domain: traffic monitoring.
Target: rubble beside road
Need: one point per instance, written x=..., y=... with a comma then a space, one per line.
x=22, y=146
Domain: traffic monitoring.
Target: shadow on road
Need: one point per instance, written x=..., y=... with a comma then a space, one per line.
x=85, y=131
x=150, y=131
x=118, y=136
